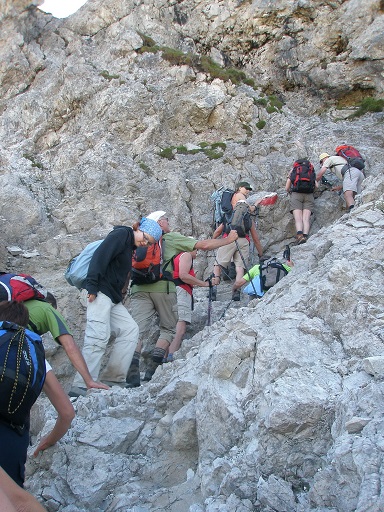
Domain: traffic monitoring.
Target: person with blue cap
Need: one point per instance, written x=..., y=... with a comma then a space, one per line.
x=107, y=281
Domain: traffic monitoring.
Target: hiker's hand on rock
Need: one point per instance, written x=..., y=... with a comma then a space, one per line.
x=96, y=385
x=232, y=236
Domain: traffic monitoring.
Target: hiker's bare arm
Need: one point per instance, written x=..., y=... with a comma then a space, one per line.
x=77, y=359
x=218, y=231
x=239, y=283
x=320, y=174
x=185, y=263
x=256, y=240
x=210, y=243
x=64, y=408
x=288, y=185
x=14, y=498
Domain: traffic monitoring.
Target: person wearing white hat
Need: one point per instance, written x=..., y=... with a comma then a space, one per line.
x=352, y=179
x=159, y=297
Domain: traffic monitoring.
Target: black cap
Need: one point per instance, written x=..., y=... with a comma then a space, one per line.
x=244, y=184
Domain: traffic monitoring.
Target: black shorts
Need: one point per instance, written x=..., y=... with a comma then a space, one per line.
x=13, y=452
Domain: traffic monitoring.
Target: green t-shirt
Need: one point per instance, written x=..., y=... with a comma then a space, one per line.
x=172, y=244
x=44, y=318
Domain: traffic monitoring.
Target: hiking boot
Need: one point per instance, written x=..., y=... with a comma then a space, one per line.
x=303, y=239
x=133, y=375
x=236, y=295
x=152, y=366
x=76, y=392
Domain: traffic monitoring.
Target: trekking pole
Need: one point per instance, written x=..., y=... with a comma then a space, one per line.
x=209, y=279
x=225, y=310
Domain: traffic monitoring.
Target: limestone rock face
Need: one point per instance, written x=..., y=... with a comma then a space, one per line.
x=110, y=114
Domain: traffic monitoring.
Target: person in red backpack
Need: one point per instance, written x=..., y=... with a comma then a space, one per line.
x=352, y=179
x=300, y=185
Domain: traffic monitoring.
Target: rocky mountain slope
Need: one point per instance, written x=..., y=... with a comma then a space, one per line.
x=127, y=107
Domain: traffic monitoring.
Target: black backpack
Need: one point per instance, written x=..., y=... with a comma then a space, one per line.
x=271, y=271
x=302, y=176
x=22, y=372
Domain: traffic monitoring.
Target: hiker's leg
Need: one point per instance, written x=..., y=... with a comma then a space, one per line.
x=349, y=198
x=126, y=332
x=306, y=221
x=142, y=311
x=184, y=312
x=181, y=328
x=223, y=257
x=298, y=218
x=97, y=334
x=240, y=259
x=352, y=185
x=166, y=307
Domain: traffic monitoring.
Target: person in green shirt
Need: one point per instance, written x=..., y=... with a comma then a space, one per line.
x=251, y=278
x=147, y=300
x=43, y=318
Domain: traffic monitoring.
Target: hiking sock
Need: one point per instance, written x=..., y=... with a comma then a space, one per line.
x=158, y=355
x=133, y=375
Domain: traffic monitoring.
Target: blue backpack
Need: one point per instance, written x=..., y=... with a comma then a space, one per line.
x=22, y=372
x=77, y=270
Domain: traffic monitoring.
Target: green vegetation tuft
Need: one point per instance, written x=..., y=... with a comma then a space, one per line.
x=201, y=63
x=369, y=105
x=167, y=153
x=32, y=159
x=107, y=76
x=260, y=124
x=211, y=151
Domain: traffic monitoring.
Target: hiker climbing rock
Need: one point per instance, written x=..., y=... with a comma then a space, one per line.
x=300, y=185
x=106, y=314
x=236, y=216
x=25, y=372
x=348, y=165
x=185, y=279
x=159, y=296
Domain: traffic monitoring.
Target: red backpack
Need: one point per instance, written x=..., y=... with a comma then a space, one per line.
x=352, y=156
x=302, y=176
x=20, y=287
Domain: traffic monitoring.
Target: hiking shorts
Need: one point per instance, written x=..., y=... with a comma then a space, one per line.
x=184, y=305
x=301, y=201
x=353, y=179
x=145, y=305
x=228, y=252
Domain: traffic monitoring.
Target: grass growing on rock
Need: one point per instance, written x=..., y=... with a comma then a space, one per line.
x=212, y=151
